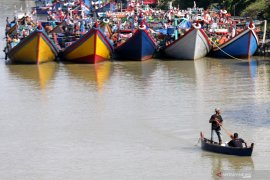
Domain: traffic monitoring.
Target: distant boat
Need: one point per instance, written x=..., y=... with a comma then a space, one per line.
x=140, y=46
x=216, y=148
x=242, y=45
x=34, y=49
x=91, y=48
x=194, y=44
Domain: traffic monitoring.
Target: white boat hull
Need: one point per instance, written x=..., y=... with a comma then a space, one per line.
x=194, y=44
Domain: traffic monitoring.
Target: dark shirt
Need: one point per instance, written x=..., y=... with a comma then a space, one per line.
x=215, y=125
x=236, y=142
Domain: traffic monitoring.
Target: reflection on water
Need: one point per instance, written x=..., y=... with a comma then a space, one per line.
x=136, y=112
x=138, y=70
x=91, y=73
x=179, y=69
x=253, y=65
x=224, y=163
x=39, y=75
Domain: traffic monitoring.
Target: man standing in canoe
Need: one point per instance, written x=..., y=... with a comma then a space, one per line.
x=216, y=121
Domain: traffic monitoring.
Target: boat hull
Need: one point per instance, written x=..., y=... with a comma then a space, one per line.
x=138, y=47
x=35, y=49
x=194, y=44
x=216, y=148
x=243, y=45
x=92, y=48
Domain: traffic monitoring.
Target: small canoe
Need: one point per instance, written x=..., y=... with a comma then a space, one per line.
x=207, y=145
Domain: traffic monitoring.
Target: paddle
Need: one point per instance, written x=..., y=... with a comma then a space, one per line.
x=227, y=132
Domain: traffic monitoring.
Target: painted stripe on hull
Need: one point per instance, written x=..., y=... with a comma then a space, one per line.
x=139, y=47
x=243, y=45
x=193, y=45
x=91, y=59
x=91, y=48
x=34, y=49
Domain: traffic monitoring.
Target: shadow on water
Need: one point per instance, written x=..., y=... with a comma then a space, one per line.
x=40, y=75
x=98, y=74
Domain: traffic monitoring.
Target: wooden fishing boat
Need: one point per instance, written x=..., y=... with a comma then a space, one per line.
x=34, y=49
x=194, y=44
x=216, y=148
x=91, y=48
x=242, y=45
x=140, y=46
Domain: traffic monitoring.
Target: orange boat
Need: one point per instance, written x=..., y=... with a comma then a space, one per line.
x=91, y=48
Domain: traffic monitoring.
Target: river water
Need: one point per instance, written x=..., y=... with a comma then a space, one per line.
x=129, y=120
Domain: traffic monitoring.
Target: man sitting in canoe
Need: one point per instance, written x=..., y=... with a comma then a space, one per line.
x=216, y=121
x=237, y=142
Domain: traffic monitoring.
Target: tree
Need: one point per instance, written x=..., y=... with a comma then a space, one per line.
x=237, y=7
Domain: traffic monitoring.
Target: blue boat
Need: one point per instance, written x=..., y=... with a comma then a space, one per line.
x=211, y=146
x=140, y=46
x=243, y=45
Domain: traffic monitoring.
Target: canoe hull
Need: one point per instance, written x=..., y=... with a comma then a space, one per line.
x=243, y=45
x=138, y=47
x=35, y=49
x=92, y=48
x=216, y=148
x=194, y=44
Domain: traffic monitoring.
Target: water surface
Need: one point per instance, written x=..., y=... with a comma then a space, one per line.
x=129, y=120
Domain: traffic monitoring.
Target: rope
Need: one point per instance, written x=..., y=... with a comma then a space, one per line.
x=224, y=51
x=227, y=132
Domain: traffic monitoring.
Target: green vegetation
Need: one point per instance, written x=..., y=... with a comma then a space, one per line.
x=257, y=9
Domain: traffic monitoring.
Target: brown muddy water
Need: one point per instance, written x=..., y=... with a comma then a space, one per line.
x=129, y=120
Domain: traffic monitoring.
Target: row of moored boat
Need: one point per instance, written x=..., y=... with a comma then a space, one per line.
x=77, y=32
